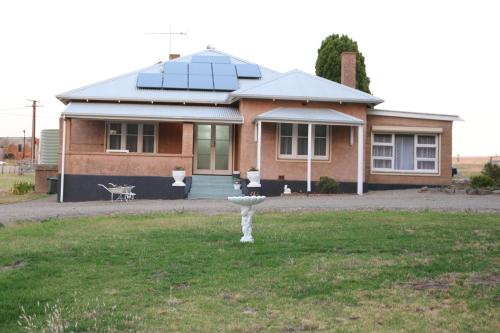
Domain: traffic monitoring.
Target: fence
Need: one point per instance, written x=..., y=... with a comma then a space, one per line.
x=20, y=168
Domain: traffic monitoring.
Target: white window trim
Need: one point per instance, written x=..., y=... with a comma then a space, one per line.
x=123, y=139
x=294, y=155
x=436, y=159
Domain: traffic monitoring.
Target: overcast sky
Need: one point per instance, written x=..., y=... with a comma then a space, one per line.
x=424, y=56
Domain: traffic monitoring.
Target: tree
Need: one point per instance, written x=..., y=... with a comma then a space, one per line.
x=328, y=61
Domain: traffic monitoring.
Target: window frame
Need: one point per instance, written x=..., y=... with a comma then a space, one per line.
x=123, y=137
x=295, y=137
x=416, y=170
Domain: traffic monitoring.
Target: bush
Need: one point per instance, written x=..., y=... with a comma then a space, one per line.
x=20, y=188
x=328, y=185
x=481, y=181
x=493, y=171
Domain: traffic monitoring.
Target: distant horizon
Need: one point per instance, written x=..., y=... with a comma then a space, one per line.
x=414, y=67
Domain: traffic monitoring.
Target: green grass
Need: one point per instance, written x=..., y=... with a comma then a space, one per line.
x=339, y=271
x=6, y=182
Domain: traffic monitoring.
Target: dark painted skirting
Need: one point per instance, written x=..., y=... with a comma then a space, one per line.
x=273, y=188
x=385, y=187
x=85, y=188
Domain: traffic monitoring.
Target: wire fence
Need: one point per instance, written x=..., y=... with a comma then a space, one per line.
x=20, y=168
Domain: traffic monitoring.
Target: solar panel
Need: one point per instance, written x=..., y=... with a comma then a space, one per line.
x=200, y=69
x=225, y=82
x=249, y=71
x=201, y=82
x=211, y=59
x=175, y=81
x=149, y=80
x=176, y=67
x=224, y=69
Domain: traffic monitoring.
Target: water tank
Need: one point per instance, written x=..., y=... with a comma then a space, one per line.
x=49, y=144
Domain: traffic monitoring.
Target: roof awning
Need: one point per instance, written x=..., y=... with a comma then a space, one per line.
x=145, y=112
x=308, y=116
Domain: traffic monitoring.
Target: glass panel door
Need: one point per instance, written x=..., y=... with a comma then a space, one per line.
x=222, y=146
x=213, y=149
x=204, y=146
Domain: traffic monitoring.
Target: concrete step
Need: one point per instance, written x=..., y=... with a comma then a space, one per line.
x=212, y=187
x=208, y=180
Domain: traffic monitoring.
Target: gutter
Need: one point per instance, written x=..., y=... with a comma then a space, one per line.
x=414, y=115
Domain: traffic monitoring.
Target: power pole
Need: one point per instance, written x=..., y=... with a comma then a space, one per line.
x=33, y=128
x=24, y=143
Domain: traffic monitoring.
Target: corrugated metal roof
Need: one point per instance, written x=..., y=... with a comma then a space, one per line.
x=124, y=111
x=298, y=85
x=124, y=87
x=308, y=115
x=49, y=145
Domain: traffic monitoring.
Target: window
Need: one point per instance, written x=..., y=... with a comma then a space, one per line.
x=293, y=141
x=404, y=152
x=134, y=138
x=115, y=136
x=132, y=135
x=148, y=138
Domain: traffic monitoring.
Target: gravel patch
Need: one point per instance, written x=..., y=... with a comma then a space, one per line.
x=47, y=208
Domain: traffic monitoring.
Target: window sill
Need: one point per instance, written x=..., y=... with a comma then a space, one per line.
x=405, y=173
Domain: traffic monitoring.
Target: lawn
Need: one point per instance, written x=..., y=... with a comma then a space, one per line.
x=335, y=271
x=6, y=182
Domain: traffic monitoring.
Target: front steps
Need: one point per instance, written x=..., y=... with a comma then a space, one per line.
x=212, y=187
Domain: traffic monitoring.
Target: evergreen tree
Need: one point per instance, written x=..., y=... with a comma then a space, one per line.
x=329, y=58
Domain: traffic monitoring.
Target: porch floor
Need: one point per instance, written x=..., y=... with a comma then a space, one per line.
x=212, y=187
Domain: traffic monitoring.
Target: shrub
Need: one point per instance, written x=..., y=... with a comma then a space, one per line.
x=481, y=181
x=493, y=171
x=253, y=169
x=179, y=168
x=328, y=185
x=22, y=187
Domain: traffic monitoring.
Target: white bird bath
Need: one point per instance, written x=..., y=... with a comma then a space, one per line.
x=246, y=204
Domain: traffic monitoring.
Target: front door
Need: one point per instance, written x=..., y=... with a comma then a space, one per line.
x=213, y=149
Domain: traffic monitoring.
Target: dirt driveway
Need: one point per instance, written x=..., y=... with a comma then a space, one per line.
x=46, y=208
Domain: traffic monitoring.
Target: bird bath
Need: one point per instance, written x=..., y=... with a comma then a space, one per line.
x=246, y=204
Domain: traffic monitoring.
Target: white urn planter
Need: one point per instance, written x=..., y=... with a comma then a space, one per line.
x=254, y=178
x=179, y=176
x=246, y=204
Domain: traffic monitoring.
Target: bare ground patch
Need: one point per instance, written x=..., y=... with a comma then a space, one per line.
x=491, y=280
x=14, y=265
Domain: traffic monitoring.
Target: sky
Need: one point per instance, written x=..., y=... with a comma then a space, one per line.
x=421, y=56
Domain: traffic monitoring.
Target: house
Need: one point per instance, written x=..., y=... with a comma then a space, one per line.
x=215, y=115
x=16, y=148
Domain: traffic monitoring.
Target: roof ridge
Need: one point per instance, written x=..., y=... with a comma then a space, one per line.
x=228, y=55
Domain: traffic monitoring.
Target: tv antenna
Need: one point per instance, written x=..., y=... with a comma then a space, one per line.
x=170, y=34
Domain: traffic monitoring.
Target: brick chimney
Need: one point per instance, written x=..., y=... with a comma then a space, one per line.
x=173, y=56
x=348, y=69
